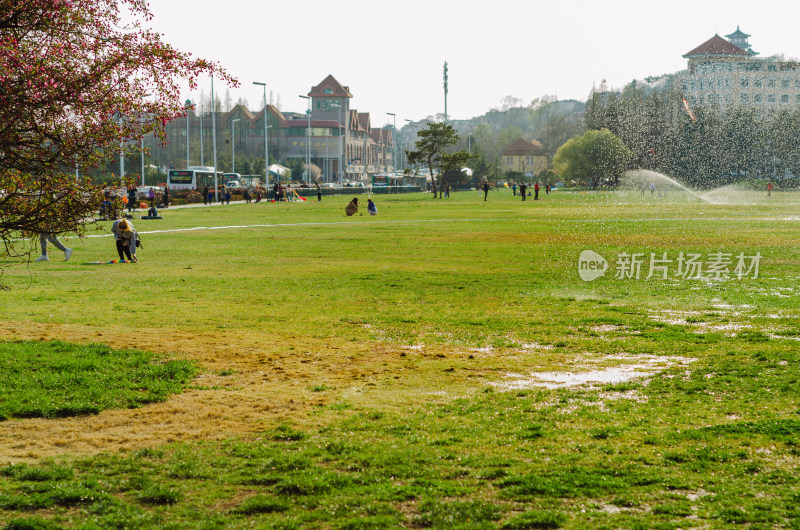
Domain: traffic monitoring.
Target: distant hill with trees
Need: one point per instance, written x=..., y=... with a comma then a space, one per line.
x=546, y=119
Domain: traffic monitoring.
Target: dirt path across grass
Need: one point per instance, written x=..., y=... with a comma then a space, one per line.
x=272, y=380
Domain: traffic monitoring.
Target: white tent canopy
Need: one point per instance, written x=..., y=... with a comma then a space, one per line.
x=278, y=170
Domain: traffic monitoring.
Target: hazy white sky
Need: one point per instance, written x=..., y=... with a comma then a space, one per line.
x=391, y=54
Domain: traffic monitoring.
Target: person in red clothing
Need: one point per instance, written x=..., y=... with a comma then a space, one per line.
x=769, y=189
x=536, y=191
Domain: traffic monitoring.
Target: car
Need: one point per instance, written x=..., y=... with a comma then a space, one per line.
x=234, y=184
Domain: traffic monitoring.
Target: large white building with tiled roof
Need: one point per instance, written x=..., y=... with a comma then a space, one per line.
x=723, y=73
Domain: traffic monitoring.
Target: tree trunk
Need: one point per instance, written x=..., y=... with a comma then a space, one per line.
x=433, y=179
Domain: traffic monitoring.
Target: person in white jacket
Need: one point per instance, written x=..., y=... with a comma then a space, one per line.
x=125, y=237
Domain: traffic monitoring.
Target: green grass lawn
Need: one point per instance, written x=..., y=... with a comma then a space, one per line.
x=53, y=379
x=409, y=345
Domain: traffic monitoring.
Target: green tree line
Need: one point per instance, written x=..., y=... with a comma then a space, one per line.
x=717, y=147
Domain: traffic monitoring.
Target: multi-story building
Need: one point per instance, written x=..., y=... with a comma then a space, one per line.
x=342, y=141
x=722, y=73
x=525, y=156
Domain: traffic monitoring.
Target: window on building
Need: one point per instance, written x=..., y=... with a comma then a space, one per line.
x=784, y=83
x=797, y=99
x=771, y=98
x=771, y=68
x=757, y=83
x=771, y=83
x=509, y=160
x=701, y=85
x=728, y=98
x=758, y=98
x=685, y=86
x=745, y=98
x=785, y=98
x=745, y=81
x=797, y=83
x=693, y=85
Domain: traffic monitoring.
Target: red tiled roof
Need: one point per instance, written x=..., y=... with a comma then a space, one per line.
x=354, y=124
x=330, y=83
x=523, y=147
x=716, y=45
x=272, y=109
x=240, y=111
x=383, y=136
x=363, y=121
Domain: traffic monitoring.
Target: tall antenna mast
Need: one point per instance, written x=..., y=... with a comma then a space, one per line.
x=445, y=91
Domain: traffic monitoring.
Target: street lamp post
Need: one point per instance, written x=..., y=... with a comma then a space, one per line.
x=266, y=135
x=214, y=139
x=202, y=161
x=187, y=105
x=411, y=124
x=307, y=174
x=341, y=148
x=233, y=144
x=326, y=167
x=394, y=132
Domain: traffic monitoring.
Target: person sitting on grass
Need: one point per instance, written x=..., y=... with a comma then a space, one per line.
x=352, y=208
x=125, y=238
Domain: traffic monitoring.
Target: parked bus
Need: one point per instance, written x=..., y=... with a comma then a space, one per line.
x=192, y=178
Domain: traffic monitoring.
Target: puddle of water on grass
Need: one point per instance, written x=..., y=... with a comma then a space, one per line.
x=632, y=368
x=686, y=318
x=702, y=327
x=784, y=337
x=537, y=346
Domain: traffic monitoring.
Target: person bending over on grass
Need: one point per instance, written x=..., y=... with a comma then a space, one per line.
x=371, y=208
x=352, y=208
x=125, y=237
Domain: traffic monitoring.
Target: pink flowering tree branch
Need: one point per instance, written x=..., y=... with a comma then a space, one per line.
x=78, y=79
